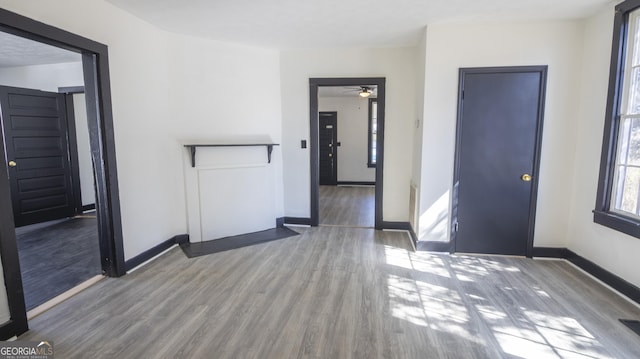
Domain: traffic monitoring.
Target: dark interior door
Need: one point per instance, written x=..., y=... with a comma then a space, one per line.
x=328, y=152
x=498, y=140
x=37, y=149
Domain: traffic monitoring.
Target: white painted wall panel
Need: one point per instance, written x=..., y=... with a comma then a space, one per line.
x=449, y=47
x=612, y=250
x=230, y=191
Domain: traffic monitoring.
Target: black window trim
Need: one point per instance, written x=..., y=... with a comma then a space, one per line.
x=602, y=213
x=370, y=163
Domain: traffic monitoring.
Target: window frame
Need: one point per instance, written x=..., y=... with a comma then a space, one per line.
x=370, y=162
x=603, y=213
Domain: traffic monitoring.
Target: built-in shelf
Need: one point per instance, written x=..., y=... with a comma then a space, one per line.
x=192, y=148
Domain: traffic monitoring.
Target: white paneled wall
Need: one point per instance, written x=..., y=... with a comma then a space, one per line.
x=230, y=191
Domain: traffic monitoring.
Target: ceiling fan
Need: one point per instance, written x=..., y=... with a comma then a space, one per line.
x=363, y=91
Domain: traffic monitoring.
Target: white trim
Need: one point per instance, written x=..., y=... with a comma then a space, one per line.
x=64, y=296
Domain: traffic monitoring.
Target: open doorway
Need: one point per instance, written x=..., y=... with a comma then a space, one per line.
x=51, y=178
x=347, y=136
x=347, y=151
x=95, y=75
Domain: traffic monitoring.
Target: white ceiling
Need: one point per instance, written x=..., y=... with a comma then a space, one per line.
x=338, y=23
x=18, y=51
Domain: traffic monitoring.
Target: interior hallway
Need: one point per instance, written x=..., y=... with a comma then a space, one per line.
x=352, y=206
x=337, y=292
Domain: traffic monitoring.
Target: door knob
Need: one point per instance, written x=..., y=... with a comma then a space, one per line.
x=12, y=163
x=526, y=177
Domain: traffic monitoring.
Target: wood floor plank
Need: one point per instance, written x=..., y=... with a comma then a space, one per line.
x=56, y=256
x=338, y=292
x=347, y=206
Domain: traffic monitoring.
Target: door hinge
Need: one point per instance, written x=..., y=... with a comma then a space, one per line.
x=463, y=94
x=455, y=227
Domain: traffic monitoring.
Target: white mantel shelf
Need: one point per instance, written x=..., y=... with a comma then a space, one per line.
x=192, y=148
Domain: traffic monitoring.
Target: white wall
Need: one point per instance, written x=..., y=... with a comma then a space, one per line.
x=166, y=88
x=353, y=130
x=85, y=164
x=557, y=44
x=612, y=250
x=43, y=77
x=398, y=66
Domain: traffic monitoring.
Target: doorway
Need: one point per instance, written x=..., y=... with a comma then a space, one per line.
x=321, y=150
x=499, y=133
x=56, y=232
x=95, y=67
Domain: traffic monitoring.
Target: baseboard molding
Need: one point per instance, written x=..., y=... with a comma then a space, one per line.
x=430, y=246
x=152, y=252
x=197, y=249
x=400, y=226
x=9, y=330
x=89, y=207
x=550, y=252
x=629, y=290
x=298, y=220
x=279, y=222
x=355, y=183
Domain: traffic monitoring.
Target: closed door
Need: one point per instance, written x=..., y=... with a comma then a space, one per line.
x=36, y=139
x=328, y=134
x=499, y=132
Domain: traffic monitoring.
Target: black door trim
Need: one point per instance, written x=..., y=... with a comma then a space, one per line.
x=99, y=115
x=314, y=83
x=536, y=155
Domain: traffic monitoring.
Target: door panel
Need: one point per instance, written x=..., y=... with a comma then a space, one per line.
x=35, y=131
x=328, y=134
x=497, y=145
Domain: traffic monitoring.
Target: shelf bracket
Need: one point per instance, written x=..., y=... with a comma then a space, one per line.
x=192, y=150
x=269, y=150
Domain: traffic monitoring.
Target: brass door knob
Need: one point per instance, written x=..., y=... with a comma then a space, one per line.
x=12, y=163
x=526, y=177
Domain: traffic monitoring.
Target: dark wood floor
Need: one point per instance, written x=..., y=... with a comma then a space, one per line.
x=56, y=256
x=352, y=206
x=337, y=292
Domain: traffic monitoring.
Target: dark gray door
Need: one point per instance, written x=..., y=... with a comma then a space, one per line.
x=499, y=127
x=35, y=132
x=328, y=152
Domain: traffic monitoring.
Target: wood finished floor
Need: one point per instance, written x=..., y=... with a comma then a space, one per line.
x=336, y=292
x=56, y=256
x=347, y=206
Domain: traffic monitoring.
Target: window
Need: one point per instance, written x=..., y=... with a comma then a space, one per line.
x=618, y=200
x=373, y=131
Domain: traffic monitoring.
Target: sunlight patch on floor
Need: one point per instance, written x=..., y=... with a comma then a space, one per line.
x=422, y=262
x=440, y=306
